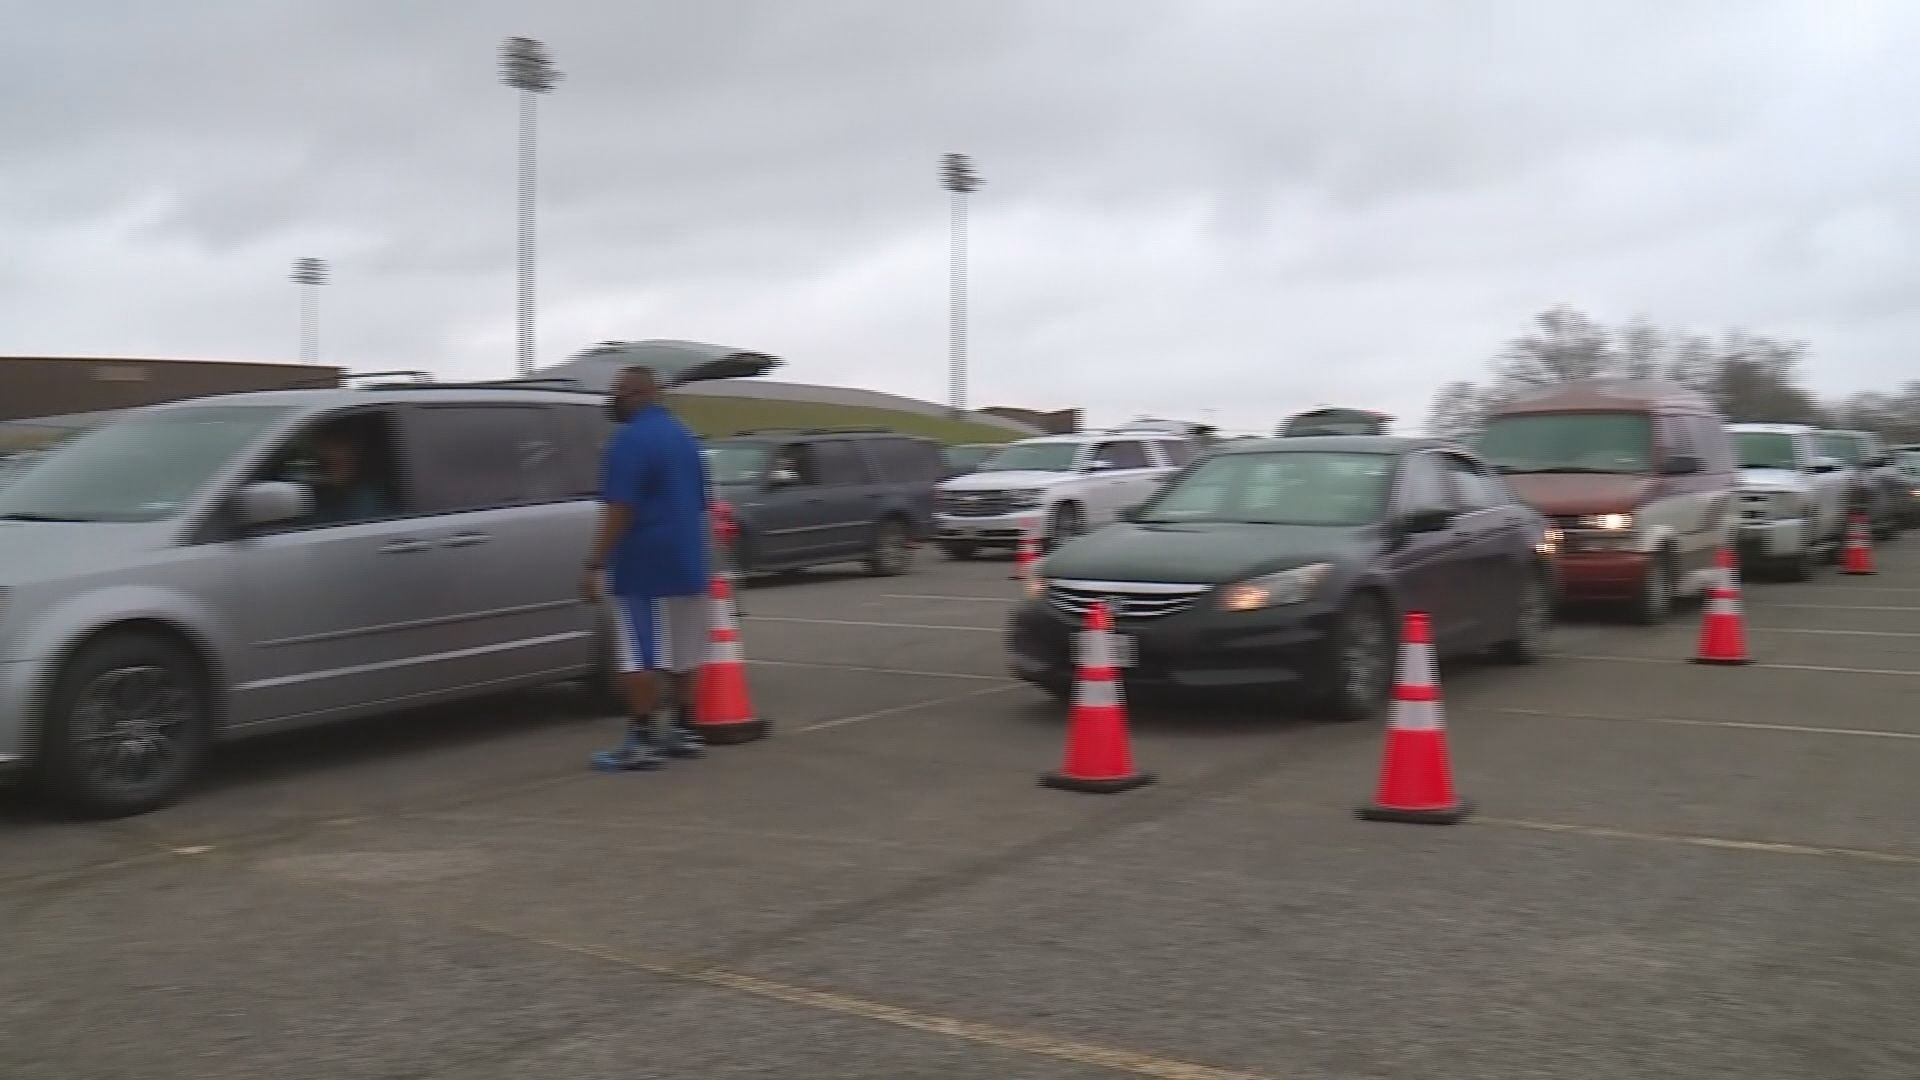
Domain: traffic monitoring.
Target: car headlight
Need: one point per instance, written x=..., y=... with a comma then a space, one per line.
x=1608, y=522
x=1274, y=590
x=1024, y=500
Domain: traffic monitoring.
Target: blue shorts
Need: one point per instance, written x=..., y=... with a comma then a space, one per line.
x=659, y=633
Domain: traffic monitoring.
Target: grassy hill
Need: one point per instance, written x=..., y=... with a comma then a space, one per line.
x=712, y=416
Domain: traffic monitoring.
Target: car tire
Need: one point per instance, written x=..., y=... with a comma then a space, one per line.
x=1358, y=670
x=890, y=551
x=959, y=552
x=126, y=727
x=1068, y=522
x=1657, y=590
x=1534, y=622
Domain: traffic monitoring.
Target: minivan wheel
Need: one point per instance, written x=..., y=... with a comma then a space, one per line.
x=1358, y=674
x=891, y=550
x=126, y=727
x=1656, y=591
x=1533, y=624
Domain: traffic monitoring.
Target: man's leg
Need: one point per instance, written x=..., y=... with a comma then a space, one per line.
x=680, y=624
x=634, y=636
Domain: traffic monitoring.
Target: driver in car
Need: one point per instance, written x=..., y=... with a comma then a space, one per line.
x=342, y=492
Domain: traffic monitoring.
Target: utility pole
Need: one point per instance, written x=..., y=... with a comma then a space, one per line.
x=958, y=177
x=309, y=274
x=525, y=66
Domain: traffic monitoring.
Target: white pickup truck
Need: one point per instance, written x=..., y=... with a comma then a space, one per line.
x=1792, y=500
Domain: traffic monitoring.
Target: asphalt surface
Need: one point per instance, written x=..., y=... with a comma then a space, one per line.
x=1675, y=871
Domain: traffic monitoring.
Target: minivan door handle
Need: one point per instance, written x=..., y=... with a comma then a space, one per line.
x=460, y=540
x=404, y=547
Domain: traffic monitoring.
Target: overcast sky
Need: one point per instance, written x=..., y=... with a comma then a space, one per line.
x=1244, y=207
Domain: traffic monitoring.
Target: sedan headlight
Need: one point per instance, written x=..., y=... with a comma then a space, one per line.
x=1608, y=522
x=1024, y=500
x=1274, y=590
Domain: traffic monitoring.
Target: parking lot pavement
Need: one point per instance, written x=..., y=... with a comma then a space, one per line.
x=1675, y=870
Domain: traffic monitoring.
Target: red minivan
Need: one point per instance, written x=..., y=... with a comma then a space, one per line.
x=1637, y=474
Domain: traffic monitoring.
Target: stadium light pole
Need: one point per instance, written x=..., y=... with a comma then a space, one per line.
x=958, y=177
x=309, y=274
x=525, y=66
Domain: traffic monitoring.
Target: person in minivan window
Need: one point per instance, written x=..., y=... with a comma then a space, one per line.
x=649, y=559
x=343, y=491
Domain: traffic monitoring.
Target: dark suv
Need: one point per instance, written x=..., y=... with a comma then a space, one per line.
x=811, y=497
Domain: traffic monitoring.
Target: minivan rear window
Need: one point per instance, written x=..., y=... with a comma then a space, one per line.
x=143, y=466
x=1600, y=442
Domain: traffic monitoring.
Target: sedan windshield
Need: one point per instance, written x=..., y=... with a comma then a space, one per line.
x=737, y=462
x=969, y=456
x=1037, y=456
x=1764, y=450
x=145, y=466
x=1277, y=488
x=1569, y=443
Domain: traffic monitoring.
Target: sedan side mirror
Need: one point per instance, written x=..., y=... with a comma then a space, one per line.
x=272, y=502
x=1681, y=465
x=1427, y=521
x=1826, y=465
x=1099, y=465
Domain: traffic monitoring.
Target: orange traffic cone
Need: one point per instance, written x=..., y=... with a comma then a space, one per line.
x=1723, y=634
x=722, y=711
x=1857, y=558
x=1416, y=781
x=1025, y=556
x=1098, y=758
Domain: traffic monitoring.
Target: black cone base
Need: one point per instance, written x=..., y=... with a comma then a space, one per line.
x=1062, y=782
x=1445, y=815
x=1722, y=661
x=741, y=731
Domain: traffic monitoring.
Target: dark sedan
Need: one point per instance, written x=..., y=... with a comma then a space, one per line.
x=1290, y=562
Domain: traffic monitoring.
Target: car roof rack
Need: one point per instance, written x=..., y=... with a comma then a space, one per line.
x=556, y=384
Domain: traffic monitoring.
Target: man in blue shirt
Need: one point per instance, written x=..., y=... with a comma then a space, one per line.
x=650, y=559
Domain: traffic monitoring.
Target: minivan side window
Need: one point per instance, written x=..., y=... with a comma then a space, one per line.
x=473, y=457
x=1179, y=452
x=351, y=462
x=584, y=434
x=1713, y=444
x=839, y=462
x=904, y=461
x=1472, y=488
x=1423, y=486
x=1676, y=439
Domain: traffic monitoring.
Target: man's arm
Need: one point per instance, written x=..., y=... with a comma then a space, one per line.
x=615, y=519
x=619, y=488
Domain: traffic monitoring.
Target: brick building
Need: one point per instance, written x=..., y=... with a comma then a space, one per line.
x=42, y=386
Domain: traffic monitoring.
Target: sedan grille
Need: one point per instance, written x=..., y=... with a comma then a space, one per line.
x=1126, y=600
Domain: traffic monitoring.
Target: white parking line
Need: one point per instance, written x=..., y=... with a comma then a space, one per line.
x=1900, y=672
x=1838, y=633
x=962, y=599
x=884, y=670
x=1837, y=607
x=1743, y=725
x=874, y=625
x=911, y=707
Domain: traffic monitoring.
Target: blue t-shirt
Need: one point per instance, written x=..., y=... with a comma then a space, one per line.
x=654, y=467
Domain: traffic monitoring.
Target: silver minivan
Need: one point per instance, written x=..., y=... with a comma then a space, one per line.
x=235, y=565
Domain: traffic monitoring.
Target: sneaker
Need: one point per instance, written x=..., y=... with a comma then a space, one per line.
x=672, y=738
x=633, y=755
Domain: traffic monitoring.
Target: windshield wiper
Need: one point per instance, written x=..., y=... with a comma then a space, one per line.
x=37, y=517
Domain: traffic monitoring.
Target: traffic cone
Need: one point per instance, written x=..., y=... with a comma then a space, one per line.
x=1416, y=781
x=722, y=711
x=1857, y=558
x=1025, y=556
x=1098, y=758
x=1723, y=634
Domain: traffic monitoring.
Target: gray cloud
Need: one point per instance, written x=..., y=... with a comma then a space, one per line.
x=1235, y=206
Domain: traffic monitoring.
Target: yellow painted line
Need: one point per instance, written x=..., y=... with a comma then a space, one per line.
x=829, y=1001
x=1904, y=673
x=912, y=707
x=882, y=670
x=1716, y=842
x=1743, y=725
